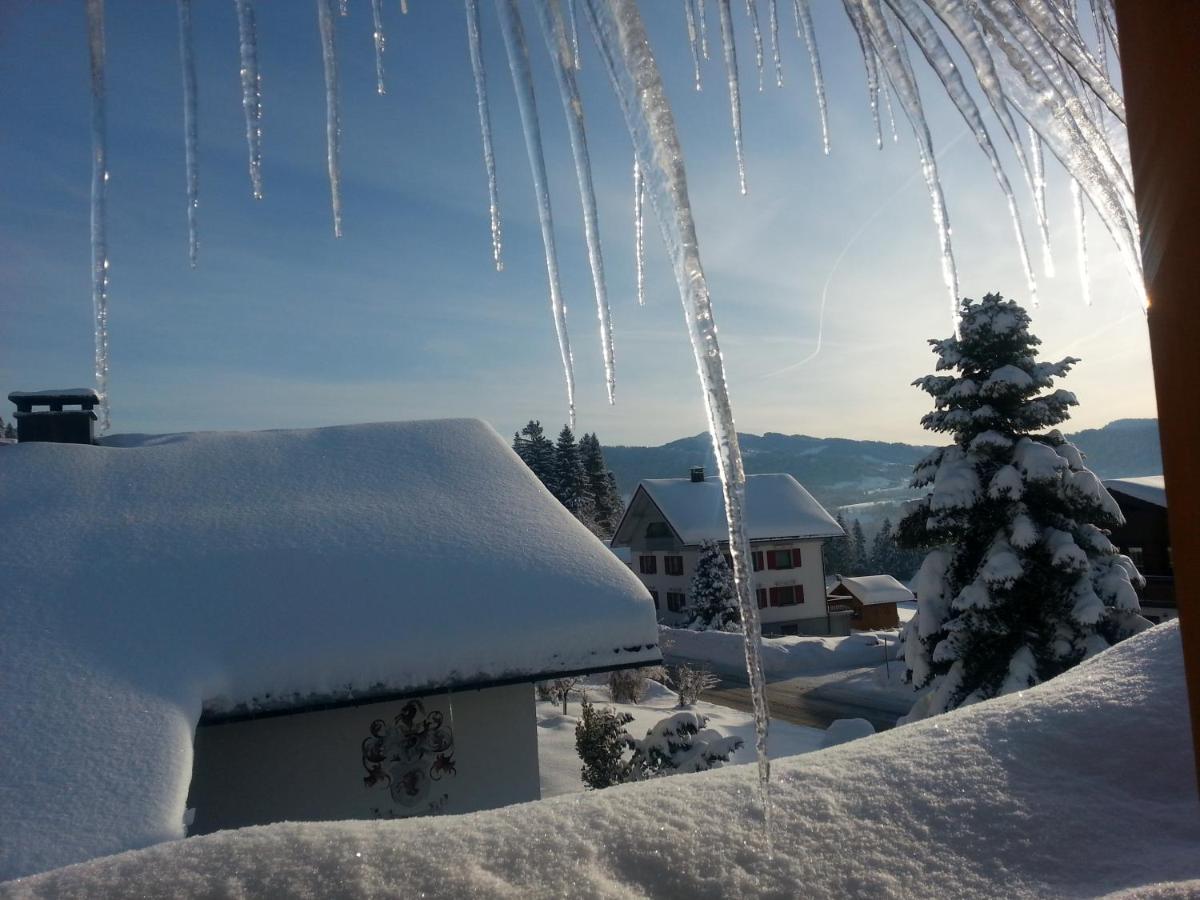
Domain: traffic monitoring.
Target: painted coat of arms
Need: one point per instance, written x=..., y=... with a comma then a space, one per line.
x=408, y=755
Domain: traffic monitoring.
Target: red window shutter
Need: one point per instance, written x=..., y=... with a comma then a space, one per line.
x=762, y=598
x=796, y=559
x=776, y=596
x=757, y=558
x=771, y=560
x=799, y=593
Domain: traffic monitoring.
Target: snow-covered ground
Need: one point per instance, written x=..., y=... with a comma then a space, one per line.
x=783, y=657
x=1050, y=792
x=556, y=733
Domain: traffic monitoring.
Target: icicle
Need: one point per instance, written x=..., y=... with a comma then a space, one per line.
x=693, y=38
x=557, y=44
x=702, y=15
x=887, y=46
x=95, y=16
x=377, y=20
x=804, y=28
x=735, y=90
x=485, y=126
x=188, y=64
x=1039, y=196
x=638, y=84
x=522, y=77
x=343, y=7
x=887, y=102
x=752, y=12
x=1101, y=40
x=333, y=124
x=936, y=53
x=404, y=7
x=1081, y=240
x=773, y=14
x=251, y=91
x=576, y=62
x=857, y=19
x=639, y=231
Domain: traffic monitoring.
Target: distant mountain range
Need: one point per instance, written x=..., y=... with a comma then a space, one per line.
x=841, y=472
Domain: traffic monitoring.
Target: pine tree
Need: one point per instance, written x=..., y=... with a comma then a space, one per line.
x=601, y=741
x=883, y=550
x=836, y=552
x=1021, y=581
x=601, y=487
x=535, y=448
x=711, y=598
x=680, y=743
x=860, y=553
x=570, y=484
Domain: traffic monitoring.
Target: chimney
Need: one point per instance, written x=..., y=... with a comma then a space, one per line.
x=55, y=424
x=697, y=474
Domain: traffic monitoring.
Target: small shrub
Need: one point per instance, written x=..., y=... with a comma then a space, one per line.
x=678, y=744
x=629, y=685
x=558, y=690
x=690, y=682
x=601, y=741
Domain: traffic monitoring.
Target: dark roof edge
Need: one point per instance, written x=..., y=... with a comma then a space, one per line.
x=366, y=699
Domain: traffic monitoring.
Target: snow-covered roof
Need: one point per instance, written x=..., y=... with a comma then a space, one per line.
x=870, y=590
x=77, y=393
x=777, y=507
x=1009, y=797
x=156, y=577
x=1149, y=488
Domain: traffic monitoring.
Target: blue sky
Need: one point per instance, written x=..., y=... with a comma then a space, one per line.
x=404, y=317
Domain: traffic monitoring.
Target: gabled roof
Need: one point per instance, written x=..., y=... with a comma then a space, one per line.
x=871, y=590
x=1149, y=488
x=777, y=507
x=156, y=577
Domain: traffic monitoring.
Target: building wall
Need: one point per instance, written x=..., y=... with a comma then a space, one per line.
x=1145, y=537
x=449, y=753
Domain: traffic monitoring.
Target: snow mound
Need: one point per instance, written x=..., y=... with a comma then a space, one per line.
x=155, y=578
x=845, y=730
x=1044, y=793
x=782, y=657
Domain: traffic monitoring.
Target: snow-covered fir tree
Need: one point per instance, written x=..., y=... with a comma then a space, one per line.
x=1021, y=581
x=837, y=552
x=536, y=450
x=884, y=552
x=712, y=602
x=570, y=484
x=607, y=505
x=678, y=744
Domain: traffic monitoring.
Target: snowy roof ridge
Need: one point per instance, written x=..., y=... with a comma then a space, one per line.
x=777, y=507
x=1148, y=488
x=871, y=590
x=157, y=579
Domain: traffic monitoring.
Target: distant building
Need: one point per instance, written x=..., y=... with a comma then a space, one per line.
x=871, y=600
x=1146, y=540
x=668, y=518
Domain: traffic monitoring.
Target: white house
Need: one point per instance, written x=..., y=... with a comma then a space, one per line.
x=239, y=628
x=668, y=518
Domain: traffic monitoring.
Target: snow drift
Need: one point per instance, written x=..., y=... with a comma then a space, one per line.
x=1081, y=786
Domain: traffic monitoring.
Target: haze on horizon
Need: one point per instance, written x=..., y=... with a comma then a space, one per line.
x=405, y=317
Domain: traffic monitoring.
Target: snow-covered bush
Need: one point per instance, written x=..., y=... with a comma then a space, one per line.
x=601, y=741
x=690, y=682
x=629, y=685
x=680, y=743
x=1021, y=581
x=712, y=601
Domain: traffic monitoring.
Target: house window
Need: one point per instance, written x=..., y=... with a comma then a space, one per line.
x=675, y=602
x=762, y=598
x=1137, y=555
x=783, y=559
x=789, y=595
x=757, y=559
x=648, y=565
x=658, y=530
x=654, y=597
x=673, y=565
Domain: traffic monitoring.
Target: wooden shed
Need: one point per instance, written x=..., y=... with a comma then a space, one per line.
x=871, y=600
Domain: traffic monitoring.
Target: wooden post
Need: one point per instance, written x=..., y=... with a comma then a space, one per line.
x=1160, y=67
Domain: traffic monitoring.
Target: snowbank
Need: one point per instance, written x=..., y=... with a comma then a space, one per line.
x=1049, y=792
x=154, y=578
x=782, y=657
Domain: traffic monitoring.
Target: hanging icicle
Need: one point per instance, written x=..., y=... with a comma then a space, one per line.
x=191, y=166
x=95, y=18
x=773, y=14
x=576, y=62
x=689, y=12
x=343, y=7
x=752, y=13
x=1081, y=247
x=887, y=102
x=251, y=91
x=735, y=90
x=639, y=231
x=858, y=20
x=485, y=126
x=554, y=32
x=702, y=16
x=518, y=65
x=804, y=29
x=380, y=40
x=333, y=124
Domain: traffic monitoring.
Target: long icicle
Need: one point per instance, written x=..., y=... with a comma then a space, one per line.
x=1038, y=163
x=639, y=231
x=576, y=62
x=485, y=126
x=192, y=170
x=625, y=50
x=773, y=17
x=689, y=12
x=858, y=21
x=522, y=78
x=554, y=32
x=1081, y=247
x=95, y=19
x=380, y=42
x=333, y=123
x=251, y=91
x=887, y=102
x=735, y=89
x=752, y=13
x=702, y=15
x=804, y=28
